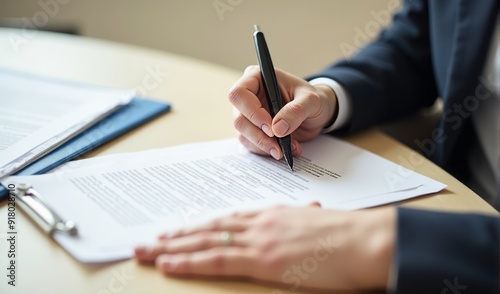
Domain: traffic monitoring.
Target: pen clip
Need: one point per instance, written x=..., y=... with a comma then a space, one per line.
x=38, y=209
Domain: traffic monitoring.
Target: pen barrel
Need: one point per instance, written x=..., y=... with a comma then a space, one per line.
x=273, y=94
x=285, y=141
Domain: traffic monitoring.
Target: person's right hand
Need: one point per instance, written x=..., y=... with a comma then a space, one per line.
x=307, y=111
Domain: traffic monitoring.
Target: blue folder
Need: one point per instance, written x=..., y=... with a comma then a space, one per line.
x=137, y=112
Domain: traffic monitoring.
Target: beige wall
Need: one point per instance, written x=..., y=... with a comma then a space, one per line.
x=303, y=36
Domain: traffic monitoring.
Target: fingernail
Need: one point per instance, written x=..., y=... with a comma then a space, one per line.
x=267, y=129
x=275, y=154
x=281, y=127
x=164, y=263
x=142, y=250
x=294, y=147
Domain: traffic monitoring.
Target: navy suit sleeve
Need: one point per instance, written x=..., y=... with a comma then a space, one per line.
x=443, y=253
x=391, y=77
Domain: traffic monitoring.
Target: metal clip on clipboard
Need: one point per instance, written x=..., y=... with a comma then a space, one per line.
x=38, y=209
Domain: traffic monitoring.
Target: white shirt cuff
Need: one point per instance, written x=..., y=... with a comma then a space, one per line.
x=343, y=99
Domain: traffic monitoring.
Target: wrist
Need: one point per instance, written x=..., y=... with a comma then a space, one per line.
x=381, y=243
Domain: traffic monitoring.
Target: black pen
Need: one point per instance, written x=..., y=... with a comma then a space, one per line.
x=274, y=99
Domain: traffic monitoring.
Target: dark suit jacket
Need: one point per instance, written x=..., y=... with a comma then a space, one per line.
x=432, y=49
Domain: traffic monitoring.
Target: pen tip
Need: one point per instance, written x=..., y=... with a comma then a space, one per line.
x=289, y=159
x=256, y=28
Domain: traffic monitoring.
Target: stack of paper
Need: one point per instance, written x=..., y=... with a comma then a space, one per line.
x=38, y=114
x=119, y=201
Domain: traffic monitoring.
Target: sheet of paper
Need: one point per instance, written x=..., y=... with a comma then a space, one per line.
x=119, y=201
x=38, y=114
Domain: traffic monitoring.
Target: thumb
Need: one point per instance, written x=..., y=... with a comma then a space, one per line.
x=306, y=104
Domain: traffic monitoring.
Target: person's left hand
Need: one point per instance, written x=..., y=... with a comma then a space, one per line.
x=295, y=246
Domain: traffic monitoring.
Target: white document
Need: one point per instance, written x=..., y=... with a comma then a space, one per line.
x=120, y=201
x=39, y=114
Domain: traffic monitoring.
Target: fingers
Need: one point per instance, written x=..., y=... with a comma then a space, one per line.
x=252, y=120
x=255, y=140
x=306, y=104
x=254, y=123
x=213, y=262
x=296, y=147
x=191, y=243
x=244, y=96
x=208, y=250
x=229, y=223
x=246, y=214
x=200, y=238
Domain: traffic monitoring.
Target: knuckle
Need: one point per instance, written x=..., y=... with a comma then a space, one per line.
x=182, y=263
x=178, y=233
x=250, y=145
x=239, y=122
x=165, y=248
x=268, y=244
x=252, y=115
x=234, y=94
x=267, y=222
x=214, y=225
x=243, y=140
x=203, y=240
x=252, y=68
x=296, y=110
x=218, y=259
x=313, y=98
x=261, y=143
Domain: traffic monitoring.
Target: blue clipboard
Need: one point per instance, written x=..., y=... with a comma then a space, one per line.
x=137, y=112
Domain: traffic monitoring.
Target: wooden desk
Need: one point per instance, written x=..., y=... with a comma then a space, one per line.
x=198, y=93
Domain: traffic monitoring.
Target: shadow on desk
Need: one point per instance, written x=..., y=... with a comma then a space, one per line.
x=233, y=285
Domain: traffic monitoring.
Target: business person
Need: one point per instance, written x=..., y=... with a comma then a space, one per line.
x=446, y=48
